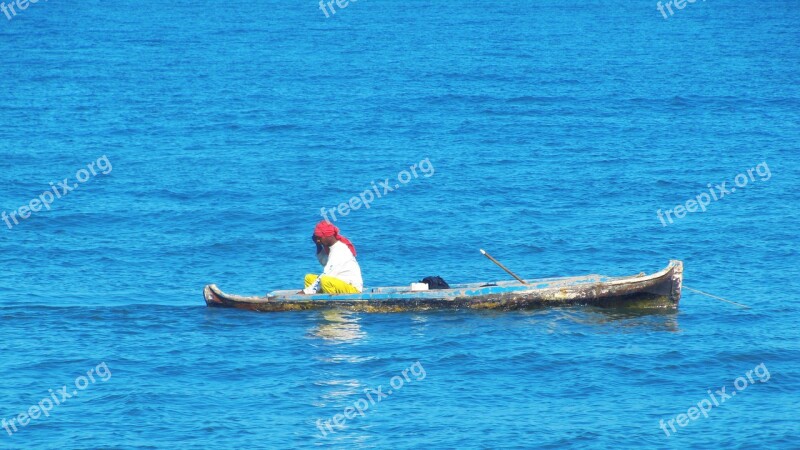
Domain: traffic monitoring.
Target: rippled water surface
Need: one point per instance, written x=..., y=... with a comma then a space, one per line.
x=552, y=133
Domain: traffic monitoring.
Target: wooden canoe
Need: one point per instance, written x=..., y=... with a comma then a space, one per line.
x=658, y=290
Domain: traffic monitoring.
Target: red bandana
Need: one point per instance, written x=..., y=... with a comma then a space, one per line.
x=326, y=229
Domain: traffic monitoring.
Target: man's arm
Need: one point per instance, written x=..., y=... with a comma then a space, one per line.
x=330, y=266
x=314, y=288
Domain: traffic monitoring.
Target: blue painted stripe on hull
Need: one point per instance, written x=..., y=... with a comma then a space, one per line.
x=438, y=294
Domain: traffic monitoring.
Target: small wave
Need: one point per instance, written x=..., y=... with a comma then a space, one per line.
x=281, y=127
x=527, y=99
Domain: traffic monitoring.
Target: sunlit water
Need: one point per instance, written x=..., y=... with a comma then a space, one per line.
x=553, y=134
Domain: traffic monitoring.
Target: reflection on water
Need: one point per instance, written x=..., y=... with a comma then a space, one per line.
x=655, y=320
x=419, y=328
x=611, y=319
x=339, y=327
x=338, y=389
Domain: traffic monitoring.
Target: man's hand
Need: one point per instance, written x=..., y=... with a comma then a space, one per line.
x=317, y=243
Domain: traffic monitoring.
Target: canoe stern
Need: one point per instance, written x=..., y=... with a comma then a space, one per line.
x=677, y=281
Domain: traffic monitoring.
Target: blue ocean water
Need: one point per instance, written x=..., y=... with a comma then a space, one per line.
x=552, y=133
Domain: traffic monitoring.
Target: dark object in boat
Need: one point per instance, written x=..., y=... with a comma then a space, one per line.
x=436, y=282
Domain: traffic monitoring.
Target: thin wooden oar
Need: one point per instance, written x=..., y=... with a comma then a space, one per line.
x=718, y=298
x=483, y=252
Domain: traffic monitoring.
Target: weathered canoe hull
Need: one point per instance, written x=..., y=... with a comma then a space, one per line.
x=659, y=290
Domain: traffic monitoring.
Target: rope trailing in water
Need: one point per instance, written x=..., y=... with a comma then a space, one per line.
x=715, y=297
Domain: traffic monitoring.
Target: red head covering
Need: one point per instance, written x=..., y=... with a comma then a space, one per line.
x=326, y=229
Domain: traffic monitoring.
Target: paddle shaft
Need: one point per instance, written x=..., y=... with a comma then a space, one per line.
x=502, y=266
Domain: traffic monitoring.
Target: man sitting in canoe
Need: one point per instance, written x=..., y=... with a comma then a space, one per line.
x=342, y=274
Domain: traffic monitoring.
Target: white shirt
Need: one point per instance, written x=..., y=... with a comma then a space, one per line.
x=339, y=263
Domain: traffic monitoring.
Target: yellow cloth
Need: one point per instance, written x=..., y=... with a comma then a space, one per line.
x=331, y=285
